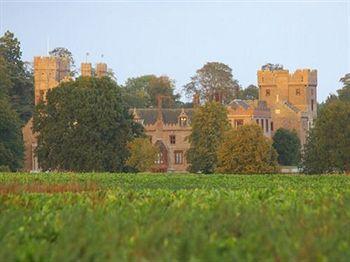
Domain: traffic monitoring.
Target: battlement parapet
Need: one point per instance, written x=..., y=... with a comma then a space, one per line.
x=300, y=76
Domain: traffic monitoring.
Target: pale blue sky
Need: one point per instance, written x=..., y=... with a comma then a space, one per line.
x=177, y=38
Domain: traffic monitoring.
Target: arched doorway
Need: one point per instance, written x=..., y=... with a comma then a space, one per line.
x=161, y=164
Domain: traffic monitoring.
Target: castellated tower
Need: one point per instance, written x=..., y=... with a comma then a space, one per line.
x=292, y=98
x=48, y=73
x=101, y=69
x=298, y=88
x=86, y=69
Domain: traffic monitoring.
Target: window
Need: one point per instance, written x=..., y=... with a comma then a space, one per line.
x=267, y=125
x=178, y=157
x=267, y=92
x=238, y=122
x=312, y=105
x=271, y=126
x=159, y=158
x=172, y=139
x=257, y=121
x=140, y=121
x=262, y=124
x=183, y=121
x=297, y=91
x=150, y=138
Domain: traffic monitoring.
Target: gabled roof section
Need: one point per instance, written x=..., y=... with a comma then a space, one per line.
x=239, y=103
x=170, y=115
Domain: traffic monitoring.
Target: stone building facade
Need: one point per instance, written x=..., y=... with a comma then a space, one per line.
x=245, y=112
x=287, y=100
x=169, y=130
x=292, y=98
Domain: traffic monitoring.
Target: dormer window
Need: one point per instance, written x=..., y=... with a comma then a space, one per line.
x=183, y=121
x=183, y=118
x=139, y=121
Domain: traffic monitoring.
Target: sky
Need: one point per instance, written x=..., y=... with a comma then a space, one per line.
x=176, y=38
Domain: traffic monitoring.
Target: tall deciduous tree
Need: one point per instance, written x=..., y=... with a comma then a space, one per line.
x=344, y=93
x=327, y=148
x=5, y=79
x=84, y=126
x=63, y=52
x=209, y=125
x=287, y=145
x=249, y=93
x=213, y=80
x=16, y=81
x=272, y=67
x=11, y=141
x=142, y=154
x=246, y=150
x=143, y=91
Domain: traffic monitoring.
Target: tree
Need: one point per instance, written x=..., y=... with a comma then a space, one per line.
x=344, y=93
x=287, y=145
x=209, y=125
x=11, y=141
x=249, y=93
x=84, y=126
x=10, y=49
x=143, y=91
x=272, y=67
x=5, y=79
x=16, y=81
x=246, y=150
x=214, y=81
x=63, y=52
x=327, y=148
x=142, y=154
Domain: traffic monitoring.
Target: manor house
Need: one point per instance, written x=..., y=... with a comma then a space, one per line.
x=286, y=100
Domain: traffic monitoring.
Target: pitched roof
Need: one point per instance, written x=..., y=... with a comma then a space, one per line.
x=170, y=115
x=246, y=104
x=239, y=103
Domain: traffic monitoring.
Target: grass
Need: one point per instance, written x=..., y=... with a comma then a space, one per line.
x=125, y=217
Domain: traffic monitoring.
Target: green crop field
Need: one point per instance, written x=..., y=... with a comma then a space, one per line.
x=126, y=217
